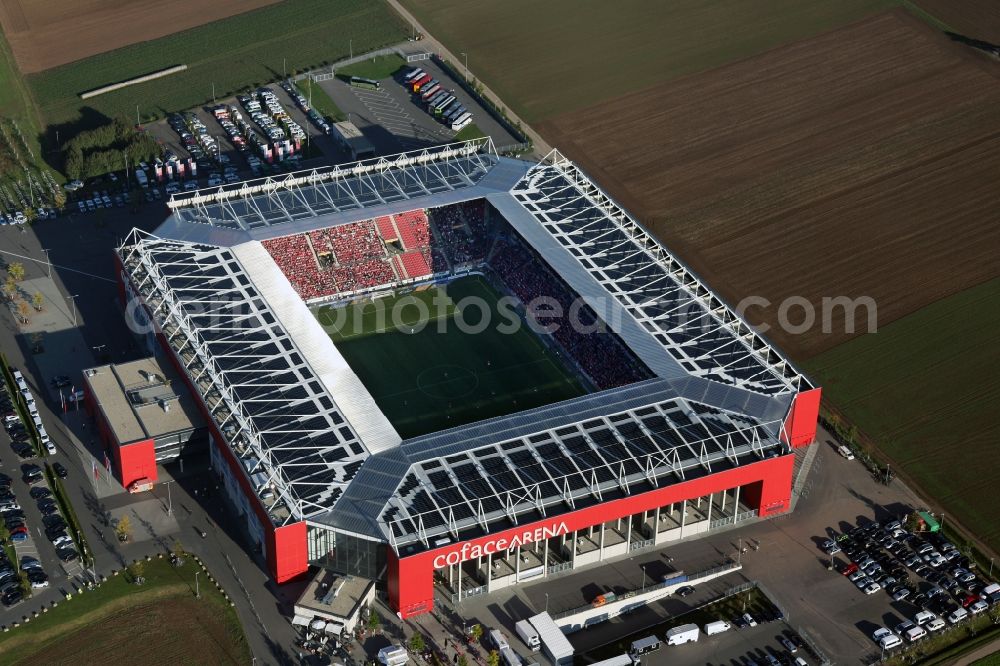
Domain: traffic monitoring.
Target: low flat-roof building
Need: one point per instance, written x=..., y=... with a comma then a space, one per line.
x=145, y=415
x=352, y=140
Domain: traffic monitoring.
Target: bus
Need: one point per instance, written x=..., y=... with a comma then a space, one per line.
x=431, y=89
x=413, y=74
x=436, y=97
x=367, y=84
x=453, y=111
x=448, y=108
x=461, y=121
x=419, y=83
x=442, y=104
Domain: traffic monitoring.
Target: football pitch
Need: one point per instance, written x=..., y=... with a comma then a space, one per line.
x=443, y=371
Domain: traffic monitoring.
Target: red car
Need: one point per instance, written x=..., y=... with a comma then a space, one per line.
x=20, y=529
x=850, y=568
x=969, y=600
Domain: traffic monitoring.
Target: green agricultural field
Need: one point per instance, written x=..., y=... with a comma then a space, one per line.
x=441, y=376
x=599, y=50
x=234, y=53
x=923, y=389
x=17, y=107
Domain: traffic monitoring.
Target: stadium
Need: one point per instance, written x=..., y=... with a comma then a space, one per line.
x=452, y=372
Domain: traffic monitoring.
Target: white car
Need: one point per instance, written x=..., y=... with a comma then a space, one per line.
x=39, y=583
x=872, y=588
x=937, y=624
x=978, y=607
x=924, y=617
x=914, y=634
x=881, y=635
x=63, y=541
x=856, y=576
x=50, y=447
x=957, y=616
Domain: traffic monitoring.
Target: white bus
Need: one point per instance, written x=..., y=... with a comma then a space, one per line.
x=413, y=74
x=461, y=121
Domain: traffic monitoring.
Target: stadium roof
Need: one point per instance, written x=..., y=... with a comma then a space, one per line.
x=297, y=413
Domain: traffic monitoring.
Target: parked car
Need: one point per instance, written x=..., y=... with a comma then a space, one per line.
x=60, y=470
x=39, y=492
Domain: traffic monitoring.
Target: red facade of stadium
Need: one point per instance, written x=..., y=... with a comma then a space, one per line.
x=767, y=486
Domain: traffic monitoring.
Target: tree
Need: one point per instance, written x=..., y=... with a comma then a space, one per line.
x=374, y=622
x=10, y=288
x=493, y=658
x=177, y=554
x=135, y=570
x=38, y=300
x=417, y=643
x=16, y=271
x=124, y=528
x=23, y=310
x=476, y=632
x=462, y=660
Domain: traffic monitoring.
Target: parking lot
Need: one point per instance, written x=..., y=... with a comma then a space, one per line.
x=394, y=121
x=35, y=529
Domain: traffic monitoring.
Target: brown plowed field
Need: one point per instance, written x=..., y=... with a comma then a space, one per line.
x=863, y=162
x=46, y=33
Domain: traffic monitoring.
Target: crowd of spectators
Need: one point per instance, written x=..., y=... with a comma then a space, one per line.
x=296, y=260
x=463, y=232
x=599, y=353
x=364, y=275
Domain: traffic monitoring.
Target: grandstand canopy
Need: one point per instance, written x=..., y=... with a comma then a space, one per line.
x=294, y=410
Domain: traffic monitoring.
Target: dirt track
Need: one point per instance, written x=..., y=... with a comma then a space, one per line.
x=863, y=162
x=47, y=33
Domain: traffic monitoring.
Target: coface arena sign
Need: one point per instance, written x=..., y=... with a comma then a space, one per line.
x=471, y=550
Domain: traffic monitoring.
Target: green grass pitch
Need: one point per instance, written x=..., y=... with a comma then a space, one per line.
x=441, y=376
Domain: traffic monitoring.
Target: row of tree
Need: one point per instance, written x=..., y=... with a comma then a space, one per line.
x=15, y=273
x=108, y=148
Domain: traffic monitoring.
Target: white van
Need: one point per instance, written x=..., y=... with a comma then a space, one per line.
x=957, y=615
x=717, y=627
x=846, y=452
x=890, y=641
x=914, y=634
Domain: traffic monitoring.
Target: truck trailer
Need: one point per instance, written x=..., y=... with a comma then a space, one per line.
x=685, y=633
x=528, y=635
x=554, y=642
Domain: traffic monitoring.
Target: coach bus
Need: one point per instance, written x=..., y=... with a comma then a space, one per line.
x=413, y=74
x=453, y=112
x=430, y=90
x=442, y=104
x=419, y=83
x=367, y=84
x=461, y=121
x=437, y=97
